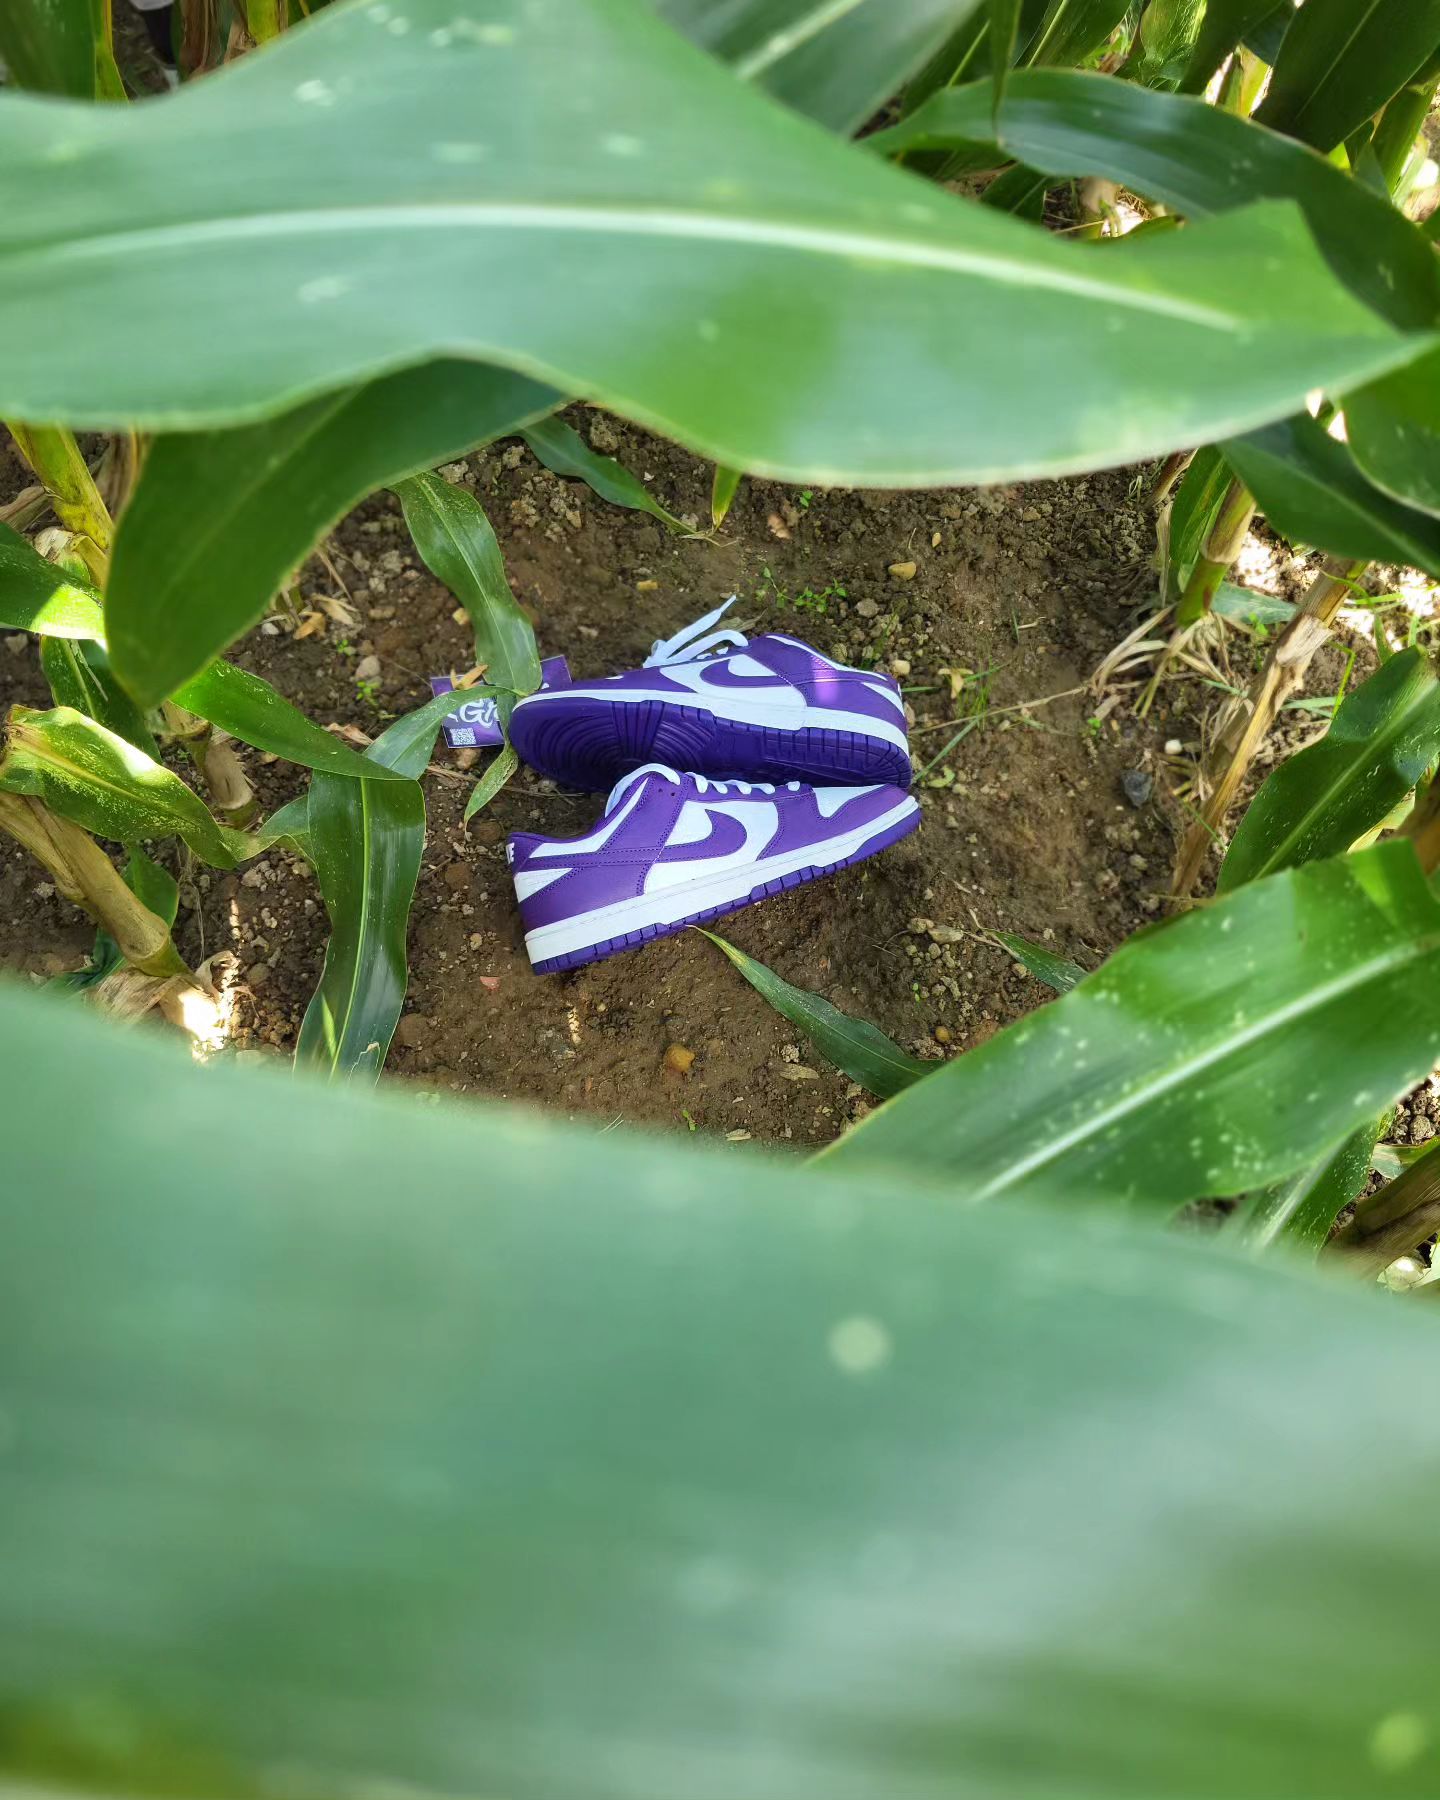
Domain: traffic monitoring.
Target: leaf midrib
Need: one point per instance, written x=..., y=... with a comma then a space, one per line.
x=675, y=223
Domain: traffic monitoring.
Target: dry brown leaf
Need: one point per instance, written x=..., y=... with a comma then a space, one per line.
x=312, y=624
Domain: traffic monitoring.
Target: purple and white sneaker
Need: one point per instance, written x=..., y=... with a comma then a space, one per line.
x=756, y=709
x=673, y=850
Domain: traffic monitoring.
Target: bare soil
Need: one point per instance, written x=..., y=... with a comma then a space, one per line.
x=1017, y=595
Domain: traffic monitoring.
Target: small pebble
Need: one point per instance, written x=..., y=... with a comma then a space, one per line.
x=1138, y=784
x=16, y=642
x=257, y=974
x=920, y=926
x=903, y=571
x=646, y=587
x=1173, y=746
x=899, y=665
x=942, y=1034
x=867, y=609
x=679, y=1059
x=368, y=669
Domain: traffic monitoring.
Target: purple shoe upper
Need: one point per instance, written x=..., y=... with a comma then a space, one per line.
x=671, y=848
x=766, y=708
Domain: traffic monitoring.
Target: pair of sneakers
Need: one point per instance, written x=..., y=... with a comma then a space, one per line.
x=744, y=766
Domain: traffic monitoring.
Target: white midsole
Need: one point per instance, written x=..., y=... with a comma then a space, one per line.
x=667, y=905
x=773, y=716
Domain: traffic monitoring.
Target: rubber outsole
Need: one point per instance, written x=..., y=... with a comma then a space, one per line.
x=633, y=940
x=589, y=745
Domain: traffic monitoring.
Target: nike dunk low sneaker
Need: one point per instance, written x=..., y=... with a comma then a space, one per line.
x=758, y=709
x=673, y=850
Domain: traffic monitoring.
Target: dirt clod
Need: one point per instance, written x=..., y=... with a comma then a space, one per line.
x=678, y=1059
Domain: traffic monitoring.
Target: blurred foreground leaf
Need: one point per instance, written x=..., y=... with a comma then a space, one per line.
x=461, y=1451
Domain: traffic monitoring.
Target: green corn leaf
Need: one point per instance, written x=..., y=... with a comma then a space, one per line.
x=623, y=1438
x=1194, y=158
x=1073, y=30
x=857, y=1048
x=1251, y=607
x=1309, y=487
x=1299, y=1211
x=1165, y=40
x=1004, y=26
x=79, y=675
x=818, y=309
x=1384, y=736
x=1341, y=61
x=250, y=709
x=219, y=519
x=288, y=825
x=245, y=705
x=365, y=839
x=1223, y=26
x=1195, y=508
x=722, y=493
x=833, y=62
x=562, y=449
x=1265, y=38
x=502, y=767
x=1055, y=971
x=37, y=596
x=61, y=47
x=1393, y=429
x=1019, y=190
x=459, y=547
x=99, y=780
x=1154, y=1081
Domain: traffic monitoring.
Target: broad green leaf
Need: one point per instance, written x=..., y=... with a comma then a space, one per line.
x=99, y=780
x=817, y=310
x=1195, y=508
x=365, y=839
x=855, y=1046
x=1223, y=26
x=562, y=449
x=458, y=545
x=833, y=60
x=456, y=1450
x=61, y=47
x=1195, y=159
x=502, y=766
x=37, y=596
x=219, y=519
x=1056, y=972
x=1341, y=61
x=1309, y=488
x=1154, y=1081
x=250, y=709
x=1393, y=429
x=722, y=493
x=1299, y=1211
x=1072, y=30
x=1384, y=736
x=1265, y=37
x=79, y=675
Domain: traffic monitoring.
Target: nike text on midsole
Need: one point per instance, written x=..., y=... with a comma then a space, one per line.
x=774, y=716
x=679, y=902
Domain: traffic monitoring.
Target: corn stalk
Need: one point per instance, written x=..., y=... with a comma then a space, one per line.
x=53, y=454
x=85, y=875
x=1280, y=677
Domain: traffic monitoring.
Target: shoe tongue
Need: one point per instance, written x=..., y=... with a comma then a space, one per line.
x=623, y=786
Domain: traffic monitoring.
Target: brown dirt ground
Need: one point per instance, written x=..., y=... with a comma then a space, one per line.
x=1027, y=826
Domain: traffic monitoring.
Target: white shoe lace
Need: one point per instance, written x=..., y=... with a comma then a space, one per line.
x=706, y=782
x=686, y=645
